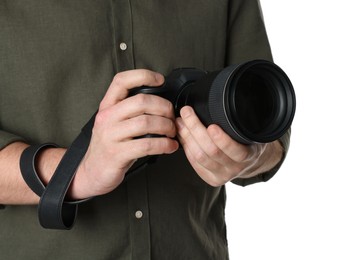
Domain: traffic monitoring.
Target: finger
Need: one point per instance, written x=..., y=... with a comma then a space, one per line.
x=137, y=148
x=195, y=127
x=145, y=124
x=208, y=168
x=124, y=81
x=236, y=151
x=200, y=135
x=142, y=104
x=205, y=174
x=199, y=155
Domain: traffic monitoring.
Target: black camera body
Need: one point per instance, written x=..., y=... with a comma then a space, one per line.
x=253, y=102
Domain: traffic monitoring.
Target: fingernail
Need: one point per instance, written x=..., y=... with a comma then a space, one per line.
x=186, y=112
x=215, y=131
x=159, y=77
x=176, y=148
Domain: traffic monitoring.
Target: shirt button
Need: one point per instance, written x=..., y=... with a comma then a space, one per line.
x=123, y=46
x=139, y=214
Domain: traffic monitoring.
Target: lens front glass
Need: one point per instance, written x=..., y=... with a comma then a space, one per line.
x=255, y=102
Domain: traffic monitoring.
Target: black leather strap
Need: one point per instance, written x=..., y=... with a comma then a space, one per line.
x=28, y=167
x=53, y=211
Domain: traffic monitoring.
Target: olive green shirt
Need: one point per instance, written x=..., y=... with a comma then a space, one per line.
x=57, y=59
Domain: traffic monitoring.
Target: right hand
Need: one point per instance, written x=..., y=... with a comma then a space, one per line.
x=113, y=148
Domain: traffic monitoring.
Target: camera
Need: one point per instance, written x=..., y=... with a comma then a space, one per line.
x=253, y=102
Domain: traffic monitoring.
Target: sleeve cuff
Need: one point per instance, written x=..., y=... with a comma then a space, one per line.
x=263, y=177
x=8, y=138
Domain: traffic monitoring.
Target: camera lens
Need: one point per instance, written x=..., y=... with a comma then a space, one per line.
x=254, y=102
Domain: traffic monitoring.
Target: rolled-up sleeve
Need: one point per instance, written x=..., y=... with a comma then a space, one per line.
x=8, y=138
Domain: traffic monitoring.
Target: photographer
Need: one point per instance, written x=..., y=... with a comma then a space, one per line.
x=60, y=62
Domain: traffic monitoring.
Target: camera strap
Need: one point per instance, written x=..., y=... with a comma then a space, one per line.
x=54, y=211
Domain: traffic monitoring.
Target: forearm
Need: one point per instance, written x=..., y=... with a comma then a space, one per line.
x=13, y=189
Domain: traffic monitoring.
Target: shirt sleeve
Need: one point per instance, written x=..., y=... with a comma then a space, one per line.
x=8, y=138
x=248, y=40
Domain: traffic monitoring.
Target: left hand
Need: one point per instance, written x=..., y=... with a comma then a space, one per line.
x=214, y=155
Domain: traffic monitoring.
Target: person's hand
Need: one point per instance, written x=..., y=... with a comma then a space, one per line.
x=113, y=147
x=216, y=157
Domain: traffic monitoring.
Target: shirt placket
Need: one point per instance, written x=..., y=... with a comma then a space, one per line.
x=123, y=57
x=138, y=206
x=139, y=220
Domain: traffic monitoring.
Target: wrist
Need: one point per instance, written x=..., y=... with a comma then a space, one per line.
x=88, y=181
x=79, y=187
x=47, y=161
x=265, y=160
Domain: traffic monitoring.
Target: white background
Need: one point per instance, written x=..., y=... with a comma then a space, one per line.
x=298, y=215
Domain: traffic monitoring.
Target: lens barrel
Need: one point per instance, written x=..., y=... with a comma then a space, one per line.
x=253, y=102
